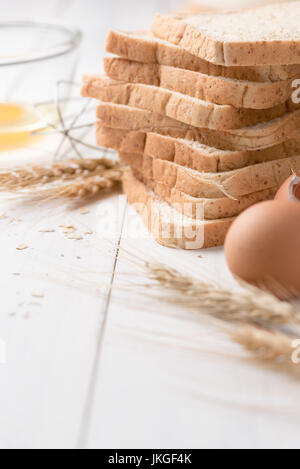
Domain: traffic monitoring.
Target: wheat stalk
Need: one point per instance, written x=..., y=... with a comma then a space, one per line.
x=247, y=309
x=40, y=175
x=250, y=304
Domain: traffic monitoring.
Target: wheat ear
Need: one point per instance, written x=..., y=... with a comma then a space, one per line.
x=39, y=175
x=85, y=188
x=246, y=309
x=270, y=347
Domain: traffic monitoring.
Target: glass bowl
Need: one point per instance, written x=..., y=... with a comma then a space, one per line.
x=34, y=57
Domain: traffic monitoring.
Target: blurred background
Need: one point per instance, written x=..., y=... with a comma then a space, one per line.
x=95, y=17
x=232, y=4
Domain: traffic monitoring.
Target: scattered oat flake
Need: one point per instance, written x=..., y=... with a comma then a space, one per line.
x=33, y=303
x=200, y=257
x=3, y=216
x=68, y=229
x=37, y=294
x=84, y=211
x=21, y=247
x=77, y=237
x=89, y=232
x=78, y=257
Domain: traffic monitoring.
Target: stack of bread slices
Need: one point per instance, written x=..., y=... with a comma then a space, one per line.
x=201, y=109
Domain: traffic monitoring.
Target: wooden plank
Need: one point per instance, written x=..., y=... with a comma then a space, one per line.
x=50, y=340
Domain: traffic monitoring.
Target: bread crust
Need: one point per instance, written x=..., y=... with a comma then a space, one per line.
x=169, y=229
x=231, y=184
x=142, y=46
x=218, y=90
x=188, y=153
x=252, y=138
x=197, y=207
x=197, y=36
x=190, y=111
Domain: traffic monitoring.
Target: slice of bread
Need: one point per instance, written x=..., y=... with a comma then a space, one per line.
x=218, y=90
x=199, y=208
x=249, y=138
x=142, y=46
x=169, y=227
x=268, y=35
x=194, y=155
x=191, y=111
x=233, y=184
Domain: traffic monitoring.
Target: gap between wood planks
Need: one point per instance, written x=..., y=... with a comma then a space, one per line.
x=88, y=407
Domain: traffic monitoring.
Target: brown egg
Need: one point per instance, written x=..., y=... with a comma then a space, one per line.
x=290, y=190
x=263, y=247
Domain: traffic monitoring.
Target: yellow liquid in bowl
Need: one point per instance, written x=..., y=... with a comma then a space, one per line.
x=10, y=113
x=17, y=122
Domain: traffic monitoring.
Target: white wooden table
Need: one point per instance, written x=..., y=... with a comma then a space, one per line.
x=90, y=364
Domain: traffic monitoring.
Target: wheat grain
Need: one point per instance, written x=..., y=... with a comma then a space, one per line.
x=22, y=247
x=84, y=211
x=247, y=305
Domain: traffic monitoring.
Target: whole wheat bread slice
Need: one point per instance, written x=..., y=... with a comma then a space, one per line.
x=249, y=138
x=267, y=35
x=194, y=155
x=142, y=46
x=191, y=111
x=167, y=226
x=233, y=184
x=218, y=90
x=200, y=208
